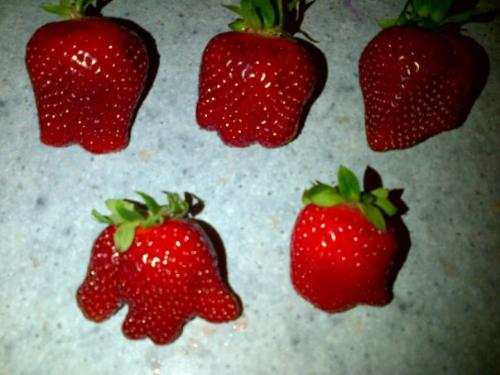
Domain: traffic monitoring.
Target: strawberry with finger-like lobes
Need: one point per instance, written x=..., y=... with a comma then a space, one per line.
x=88, y=75
x=344, y=250
x=256, y=80
x=420, y=76
x=159, y=262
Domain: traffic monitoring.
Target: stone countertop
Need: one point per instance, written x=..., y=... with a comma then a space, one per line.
x=444, y=318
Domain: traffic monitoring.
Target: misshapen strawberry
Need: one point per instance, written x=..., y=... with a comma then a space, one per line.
x=343, y=251
x=88, y=75
x=419, y=76
x=161, y=264
x=256, y=80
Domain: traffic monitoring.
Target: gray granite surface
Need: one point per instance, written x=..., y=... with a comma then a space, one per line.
x=444, y=318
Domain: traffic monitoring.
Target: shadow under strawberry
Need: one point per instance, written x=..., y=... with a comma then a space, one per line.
x=372, y=180
x=196, y=205
x=321, y=71
x=481, y=67
x=293, y=25
x=221, y=256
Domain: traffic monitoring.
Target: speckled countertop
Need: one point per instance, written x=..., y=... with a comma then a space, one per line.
x=444, y=318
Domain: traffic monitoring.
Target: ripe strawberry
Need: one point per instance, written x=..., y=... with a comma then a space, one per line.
x=161, y=264
x=419, y=77
x=342, y=251
x=256, y=80
x=88, y=74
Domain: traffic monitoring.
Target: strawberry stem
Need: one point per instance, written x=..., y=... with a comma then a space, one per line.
x=281, y=15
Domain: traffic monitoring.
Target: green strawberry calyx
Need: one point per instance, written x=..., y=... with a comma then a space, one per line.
x=264, y=17
x=68, y=9
x=373, y=204
x=430, y=14
x=128, y=215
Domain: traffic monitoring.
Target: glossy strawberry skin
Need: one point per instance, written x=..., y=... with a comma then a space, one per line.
x=417, y=83
x=88, y=75
x=339, y=259
x=253, y=89
x=167, y=277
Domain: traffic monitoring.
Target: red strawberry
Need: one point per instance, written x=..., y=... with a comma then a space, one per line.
x=88, y=75
x=256, y=80
x=163, y=265
x=419, y=77
x=342, y=251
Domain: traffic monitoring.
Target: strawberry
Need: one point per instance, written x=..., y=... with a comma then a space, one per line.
x=419, y=76
x=88, y=74
x=256, y=80
x=343, y=251
x=160, y=263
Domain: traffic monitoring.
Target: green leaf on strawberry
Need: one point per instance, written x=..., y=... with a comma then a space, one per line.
x=348, y=184
x=67, y=8
x=124, y=235
x=430, y=14
x=150, y=202
x=266, y=17
x=127, y=215
x=322, y=195
x=383, y=202
x=373, y=204
x=374, y=215
x=101, y=218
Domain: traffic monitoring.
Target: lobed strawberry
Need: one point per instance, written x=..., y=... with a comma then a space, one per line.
x=160, y=263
